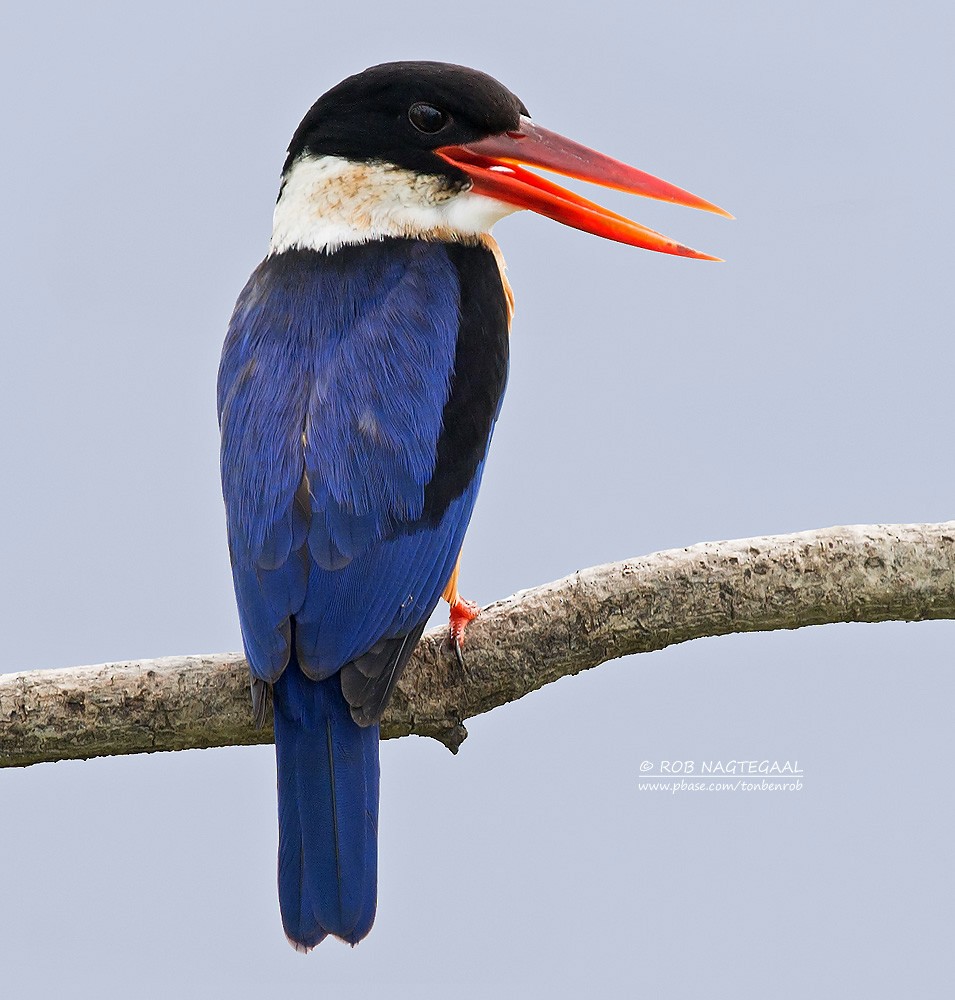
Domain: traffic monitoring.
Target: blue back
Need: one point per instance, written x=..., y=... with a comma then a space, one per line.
x=335, y=376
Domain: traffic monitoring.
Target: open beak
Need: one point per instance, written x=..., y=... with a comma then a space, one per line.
x=495, y=167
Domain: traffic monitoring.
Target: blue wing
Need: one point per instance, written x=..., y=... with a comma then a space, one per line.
x=335, y=379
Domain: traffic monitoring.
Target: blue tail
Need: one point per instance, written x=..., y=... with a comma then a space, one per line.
x=328, y=812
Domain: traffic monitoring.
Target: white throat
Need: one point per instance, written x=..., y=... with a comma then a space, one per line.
x=327, y=201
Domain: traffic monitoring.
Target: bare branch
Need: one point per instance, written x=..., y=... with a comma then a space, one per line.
x=868, y=573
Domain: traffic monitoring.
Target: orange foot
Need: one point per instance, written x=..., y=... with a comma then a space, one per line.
x=462, y=614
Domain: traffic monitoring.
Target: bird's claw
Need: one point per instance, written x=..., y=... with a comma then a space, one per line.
x=462, y=614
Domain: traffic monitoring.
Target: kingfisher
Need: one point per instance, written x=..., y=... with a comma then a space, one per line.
x=360, y=381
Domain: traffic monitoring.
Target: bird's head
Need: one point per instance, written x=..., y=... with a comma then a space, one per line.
x=436, y=151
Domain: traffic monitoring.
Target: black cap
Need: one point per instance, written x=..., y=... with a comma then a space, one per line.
x=400, y=112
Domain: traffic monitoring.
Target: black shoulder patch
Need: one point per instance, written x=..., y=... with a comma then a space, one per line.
x=478, y=380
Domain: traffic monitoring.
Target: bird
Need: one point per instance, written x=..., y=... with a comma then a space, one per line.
x=360, y=381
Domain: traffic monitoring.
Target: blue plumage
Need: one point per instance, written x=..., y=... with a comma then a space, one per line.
x=353, y=358
x=338, y=376
x=328, y=812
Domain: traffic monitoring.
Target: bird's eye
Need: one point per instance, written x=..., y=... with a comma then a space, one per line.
x=427, y=118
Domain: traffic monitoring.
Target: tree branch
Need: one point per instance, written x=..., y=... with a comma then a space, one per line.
x=867, y=573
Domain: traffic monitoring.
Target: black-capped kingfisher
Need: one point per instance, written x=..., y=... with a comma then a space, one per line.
x=360, y=381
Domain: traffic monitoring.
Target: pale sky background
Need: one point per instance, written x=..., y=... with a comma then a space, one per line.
x=654, y=402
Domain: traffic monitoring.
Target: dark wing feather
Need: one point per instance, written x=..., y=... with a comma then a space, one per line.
x=369, y=680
